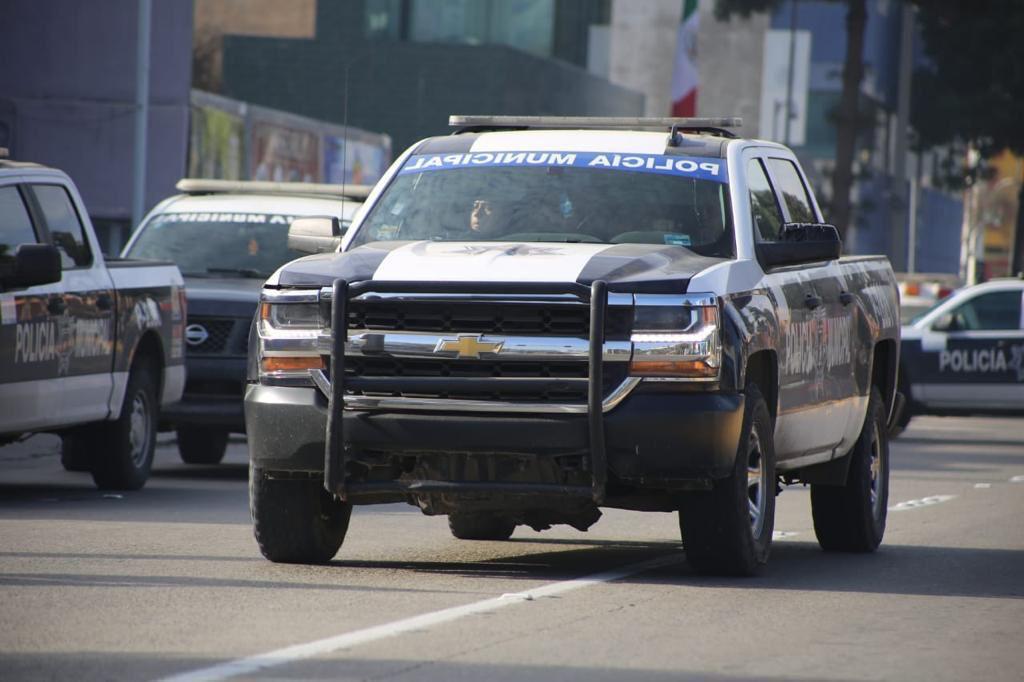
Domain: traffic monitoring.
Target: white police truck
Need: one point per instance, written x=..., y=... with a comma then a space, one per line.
x=533, y=318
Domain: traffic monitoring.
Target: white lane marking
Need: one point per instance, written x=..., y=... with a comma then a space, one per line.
x=982, y=486
x=253, y=664
x=783, y=534
x=923, y=502
x=1017, y=479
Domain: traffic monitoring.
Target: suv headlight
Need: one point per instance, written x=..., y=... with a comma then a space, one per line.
x=289, y=327
x=676, y=337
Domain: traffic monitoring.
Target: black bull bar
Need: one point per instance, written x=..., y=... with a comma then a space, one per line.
x=335, y=452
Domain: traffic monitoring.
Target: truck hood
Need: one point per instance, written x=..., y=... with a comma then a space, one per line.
x=222, y=297
x=642, y=268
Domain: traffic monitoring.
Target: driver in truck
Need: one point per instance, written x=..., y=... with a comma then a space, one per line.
x=488, y=216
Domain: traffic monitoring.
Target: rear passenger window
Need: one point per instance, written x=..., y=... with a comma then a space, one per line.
x=15, y=223
x=793, y=191
x=65, y=227
x=763, y=206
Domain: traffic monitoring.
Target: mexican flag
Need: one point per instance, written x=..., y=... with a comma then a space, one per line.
x=685, y=78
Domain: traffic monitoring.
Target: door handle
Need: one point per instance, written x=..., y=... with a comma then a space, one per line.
x=812, y=301
x=56, y=306
x=845, y=297
x=104, y=302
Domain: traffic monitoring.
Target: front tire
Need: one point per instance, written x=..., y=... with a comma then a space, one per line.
x=296, y=521
x=202, y=444
x=851, y=517
x=481, y=526
x=728, y=530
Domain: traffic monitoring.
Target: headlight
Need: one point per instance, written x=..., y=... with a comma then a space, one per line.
x=290, y=325
x=290, y=315
x=676, y=337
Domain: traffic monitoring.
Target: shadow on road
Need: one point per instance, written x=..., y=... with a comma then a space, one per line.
x=197, y=472
x=143, y=665
x=894, y=569
x=92, y=580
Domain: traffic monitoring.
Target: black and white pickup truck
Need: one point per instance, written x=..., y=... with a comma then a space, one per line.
x=90, y=348
x=534, y=318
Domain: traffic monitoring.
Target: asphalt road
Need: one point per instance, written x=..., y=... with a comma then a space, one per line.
x=168, y=581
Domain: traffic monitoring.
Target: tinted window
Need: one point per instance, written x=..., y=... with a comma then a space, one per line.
x=763, y=206
x=644, y=201
x=793, y=191
x=996, y=310
x=62, y=220
x=217, y=244
x=15, y=224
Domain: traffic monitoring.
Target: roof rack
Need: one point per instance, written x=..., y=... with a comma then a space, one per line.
x=207, y=186
x=714, y=126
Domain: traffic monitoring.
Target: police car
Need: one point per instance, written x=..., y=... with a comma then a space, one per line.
x=227, y=237
x=966, y=355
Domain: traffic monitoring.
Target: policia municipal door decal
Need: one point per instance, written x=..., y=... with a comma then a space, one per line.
x=980, y=362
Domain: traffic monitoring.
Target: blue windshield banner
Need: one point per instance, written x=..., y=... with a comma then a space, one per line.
x=692, y=167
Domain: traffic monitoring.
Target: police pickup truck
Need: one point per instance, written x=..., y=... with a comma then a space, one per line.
x=537, y=317
x=90, y=348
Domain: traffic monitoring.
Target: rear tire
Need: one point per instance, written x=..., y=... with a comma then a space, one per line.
x=202, y=444
x=120, y=452
x=481, y=526
x=728, y=530
x=851, y=517
x=296, y=521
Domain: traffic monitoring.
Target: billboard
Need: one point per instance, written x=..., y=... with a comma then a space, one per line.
x=215, y=144
x=283, y=154
x=354, y=161
x=234, y=140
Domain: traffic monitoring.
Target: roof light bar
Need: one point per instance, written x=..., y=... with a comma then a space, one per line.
x=625, y=122
x=207, y=186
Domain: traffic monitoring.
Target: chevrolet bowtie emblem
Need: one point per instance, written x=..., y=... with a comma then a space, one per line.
x=468, y=346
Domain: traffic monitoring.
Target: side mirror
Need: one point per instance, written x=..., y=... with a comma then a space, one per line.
x=801, y=243
x=33, y=264
x=315, y=235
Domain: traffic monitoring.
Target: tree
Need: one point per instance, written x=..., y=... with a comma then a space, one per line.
x=847, y=114
x=971, y=93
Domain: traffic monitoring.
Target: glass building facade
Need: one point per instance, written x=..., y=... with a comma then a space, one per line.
x=528, y=25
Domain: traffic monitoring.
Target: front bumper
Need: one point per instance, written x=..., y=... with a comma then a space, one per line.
x=663, y=440
x=667, y=437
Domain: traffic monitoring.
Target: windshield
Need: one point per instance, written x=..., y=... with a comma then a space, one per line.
x=557, y=196
x=217, y=244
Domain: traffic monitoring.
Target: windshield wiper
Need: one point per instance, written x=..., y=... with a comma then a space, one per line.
x=241, y=272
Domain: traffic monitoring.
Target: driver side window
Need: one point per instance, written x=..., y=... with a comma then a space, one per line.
x=763, y=206
x=997, y=310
